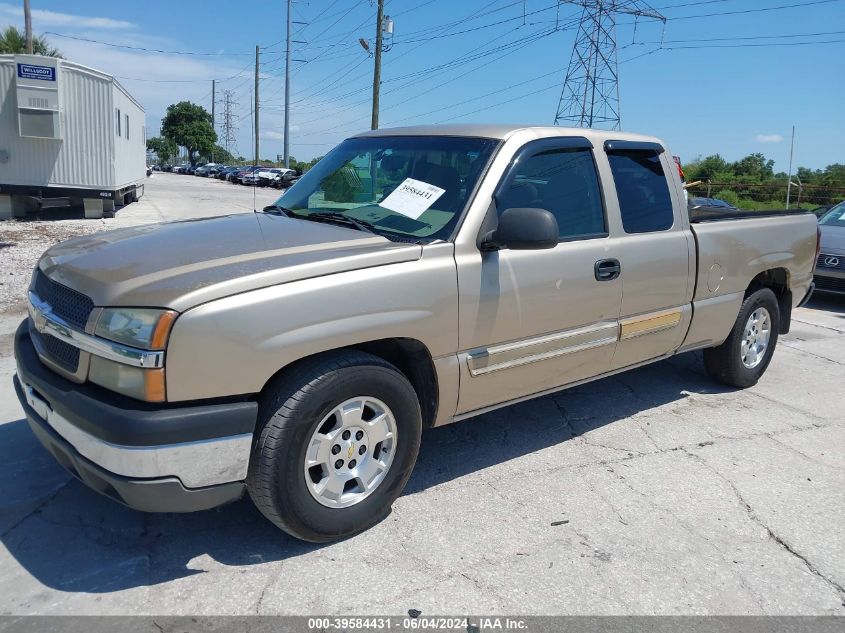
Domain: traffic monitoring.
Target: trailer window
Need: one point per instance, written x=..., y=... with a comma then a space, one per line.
x=127, y=126
x=642, y=190
x=117, y=114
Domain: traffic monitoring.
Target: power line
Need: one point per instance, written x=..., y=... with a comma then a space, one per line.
x=760, y=10
x=141, y=48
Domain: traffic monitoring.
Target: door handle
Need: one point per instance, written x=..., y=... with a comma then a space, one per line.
x=607, y=269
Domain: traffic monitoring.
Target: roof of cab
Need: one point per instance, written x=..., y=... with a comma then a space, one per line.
x=502, y=131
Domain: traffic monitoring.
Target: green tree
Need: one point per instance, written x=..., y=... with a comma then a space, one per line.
x=189, y=125
x=755, y=166
x=13, y=40
x=710, y=168
x=165, y=149
x=219, y=155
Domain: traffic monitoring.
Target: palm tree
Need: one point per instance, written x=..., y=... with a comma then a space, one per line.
x=13, y=40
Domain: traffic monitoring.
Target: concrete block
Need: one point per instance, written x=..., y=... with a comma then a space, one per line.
x=12, y=207
x=94, y=208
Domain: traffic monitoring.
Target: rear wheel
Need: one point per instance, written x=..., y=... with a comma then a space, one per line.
x=746, y=353
x=337, y=442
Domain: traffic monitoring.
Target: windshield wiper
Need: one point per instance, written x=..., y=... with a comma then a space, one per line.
x=339, y=218
x=275, y=208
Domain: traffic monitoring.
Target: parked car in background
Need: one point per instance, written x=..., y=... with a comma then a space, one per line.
x=822, y=210
x=287, y=179
x=206, y=170
x=248, y=175
x=715, y=203
x=267, y=177
x=234, y=176
x=830, y=265
x=223, y=174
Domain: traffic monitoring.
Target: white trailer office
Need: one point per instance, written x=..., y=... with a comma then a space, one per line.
x=67, y=131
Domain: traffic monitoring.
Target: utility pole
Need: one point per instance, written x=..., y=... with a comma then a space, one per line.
x=789, y=177
x=287, y=93
x=590, y=95
x=27, y=21
x=213, y=103
x=377, y=69
x=255, y=105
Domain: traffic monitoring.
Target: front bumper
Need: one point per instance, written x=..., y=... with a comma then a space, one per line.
x=172, y=458
x=830, y=281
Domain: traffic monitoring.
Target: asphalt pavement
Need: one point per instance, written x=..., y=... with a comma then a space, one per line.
x=656, y=491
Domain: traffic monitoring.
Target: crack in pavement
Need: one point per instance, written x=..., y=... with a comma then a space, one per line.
x=825, y=327
x=264, y=590
x=583, y=436
x=802, y=454
x=809, y=353
x=775, y=537
x=37, y=508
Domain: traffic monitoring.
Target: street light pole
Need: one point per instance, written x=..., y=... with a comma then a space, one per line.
x=377, y=69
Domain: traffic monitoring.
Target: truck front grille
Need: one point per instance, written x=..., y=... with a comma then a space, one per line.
x=64, y=355
x=66, y=303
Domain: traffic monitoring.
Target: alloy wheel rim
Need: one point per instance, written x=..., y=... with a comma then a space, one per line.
x=755, y=338
x=350, y=452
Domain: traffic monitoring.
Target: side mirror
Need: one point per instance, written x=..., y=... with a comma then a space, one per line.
x=523, y=229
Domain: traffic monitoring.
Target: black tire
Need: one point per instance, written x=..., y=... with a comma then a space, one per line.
x=288, y=416
x=724, y=363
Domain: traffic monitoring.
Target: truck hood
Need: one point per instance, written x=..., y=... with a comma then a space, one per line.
x=179, y=265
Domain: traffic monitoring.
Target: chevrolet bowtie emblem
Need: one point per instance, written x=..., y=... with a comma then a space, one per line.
x=350, y=452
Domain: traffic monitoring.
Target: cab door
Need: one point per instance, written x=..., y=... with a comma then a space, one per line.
x=533, y=320
x=656, y=251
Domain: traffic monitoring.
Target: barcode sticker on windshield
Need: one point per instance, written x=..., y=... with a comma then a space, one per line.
x=412, y=198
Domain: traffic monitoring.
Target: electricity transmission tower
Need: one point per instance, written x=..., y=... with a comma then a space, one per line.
x=590, y=95
x=228, y=128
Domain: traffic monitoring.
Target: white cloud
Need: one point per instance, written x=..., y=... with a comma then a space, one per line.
x=768, y=138
x=42, y=19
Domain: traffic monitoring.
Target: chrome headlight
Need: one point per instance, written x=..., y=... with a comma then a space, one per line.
x=146, y=328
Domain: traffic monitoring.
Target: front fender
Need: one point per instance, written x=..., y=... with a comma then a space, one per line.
x=233, y=346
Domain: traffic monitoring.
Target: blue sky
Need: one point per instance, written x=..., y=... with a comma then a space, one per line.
x=723, y=98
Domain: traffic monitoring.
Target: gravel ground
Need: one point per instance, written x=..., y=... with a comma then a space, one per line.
x=21, y=244
x=167, y=197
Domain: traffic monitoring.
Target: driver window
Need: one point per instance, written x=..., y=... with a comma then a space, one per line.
x=563, y=181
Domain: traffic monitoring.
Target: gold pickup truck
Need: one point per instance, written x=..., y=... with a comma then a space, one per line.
x=412, y=278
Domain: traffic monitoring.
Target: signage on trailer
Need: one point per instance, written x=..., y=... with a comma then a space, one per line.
x=31, y=71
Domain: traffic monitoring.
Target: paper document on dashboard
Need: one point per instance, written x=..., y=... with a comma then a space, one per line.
x=412, y=198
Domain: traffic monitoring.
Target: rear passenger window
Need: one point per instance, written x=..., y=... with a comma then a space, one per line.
x=642, y=189
x=563, y=181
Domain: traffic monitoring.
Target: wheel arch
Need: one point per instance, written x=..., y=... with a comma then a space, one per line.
x=778, y=281
x=410, y=356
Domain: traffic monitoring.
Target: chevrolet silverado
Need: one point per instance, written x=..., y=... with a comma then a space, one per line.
x=412, y=278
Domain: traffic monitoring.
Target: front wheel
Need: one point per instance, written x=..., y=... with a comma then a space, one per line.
x=744, y=356
x=336, y=443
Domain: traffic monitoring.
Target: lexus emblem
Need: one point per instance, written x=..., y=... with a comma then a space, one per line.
x=833, y=262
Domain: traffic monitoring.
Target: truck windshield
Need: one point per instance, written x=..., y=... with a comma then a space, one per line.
x=407, y=187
